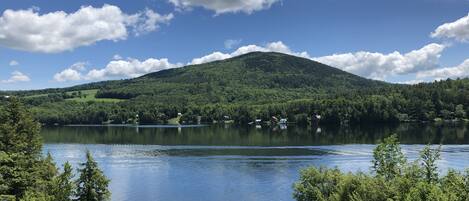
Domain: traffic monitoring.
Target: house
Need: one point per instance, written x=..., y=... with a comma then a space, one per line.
x=283, y=121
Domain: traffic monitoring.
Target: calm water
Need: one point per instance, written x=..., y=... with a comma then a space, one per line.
x=229, y=163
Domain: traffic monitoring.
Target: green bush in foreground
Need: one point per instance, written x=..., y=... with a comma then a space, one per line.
x=392, y=179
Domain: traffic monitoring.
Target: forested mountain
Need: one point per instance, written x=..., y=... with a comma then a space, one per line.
x=254, y=78
x=250, y=86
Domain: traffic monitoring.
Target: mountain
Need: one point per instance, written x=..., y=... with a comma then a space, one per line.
x=246, y=87
x=256, y=77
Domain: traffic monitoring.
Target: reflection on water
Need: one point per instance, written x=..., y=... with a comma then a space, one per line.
x=228, y=163
x=265, y=136
x=240, y=151
x=154, y=172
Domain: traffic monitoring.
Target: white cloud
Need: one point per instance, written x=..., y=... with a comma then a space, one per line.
x=129, y=68
x=13, y=63
x=278, y=46
x=147, y=21
x=79, y=66
x=378, y=65
x=59, y=31
x=228, y=6
x=231, y=43
x=72, y=73
x=458, y=30
x=17, y=76
x=68, y=74
x=412, y=82
x=459, y=71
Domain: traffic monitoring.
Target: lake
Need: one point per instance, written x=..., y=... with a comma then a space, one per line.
x=224, y=162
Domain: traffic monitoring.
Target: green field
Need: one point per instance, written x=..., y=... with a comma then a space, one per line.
x=89, y=95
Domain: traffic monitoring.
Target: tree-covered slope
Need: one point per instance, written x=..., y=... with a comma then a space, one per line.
x=251, y=78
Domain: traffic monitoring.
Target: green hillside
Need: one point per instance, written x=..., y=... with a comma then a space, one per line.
x=250, y=86
x=254, y=78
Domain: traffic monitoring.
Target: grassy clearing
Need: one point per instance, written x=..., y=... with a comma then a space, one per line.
x=86, y=96
x=174, y=121
x=36, y=96
x=89, y=95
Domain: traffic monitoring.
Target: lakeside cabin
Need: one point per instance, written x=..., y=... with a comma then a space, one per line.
x=258, y=121
x=283, y=121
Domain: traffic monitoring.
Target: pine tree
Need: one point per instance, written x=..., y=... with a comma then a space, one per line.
x=63, y=185
x=20, y=149
x=92, y=185
x=24, y=173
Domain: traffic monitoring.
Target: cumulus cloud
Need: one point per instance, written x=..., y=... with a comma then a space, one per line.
x=129, y=68
x=459, y=71
x=278, y=46
x=17, y=76
x=378, y=65
x=72, y=73
x=68, y=74
x=231, y=6
x=59, y=31
x=147, y=21
x=458, y=30
x=231, y=43
x=13, y=63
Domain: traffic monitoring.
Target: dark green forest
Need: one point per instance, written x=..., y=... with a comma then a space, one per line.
x=248, y=87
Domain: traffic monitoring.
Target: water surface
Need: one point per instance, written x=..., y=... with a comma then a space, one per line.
x=231, y=163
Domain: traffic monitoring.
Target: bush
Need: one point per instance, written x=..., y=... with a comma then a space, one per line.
x=394, y=179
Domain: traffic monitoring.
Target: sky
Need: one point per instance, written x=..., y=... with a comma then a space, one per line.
x=47, y=43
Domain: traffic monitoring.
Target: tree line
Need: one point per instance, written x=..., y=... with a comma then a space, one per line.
x=441, y=100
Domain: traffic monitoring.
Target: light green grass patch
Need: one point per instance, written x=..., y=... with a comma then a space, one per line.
x=89, y=95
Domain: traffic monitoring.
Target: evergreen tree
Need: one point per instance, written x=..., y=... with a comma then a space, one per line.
x=20, y=150
x=63, y=185
x=92, y=185
x=24, y=173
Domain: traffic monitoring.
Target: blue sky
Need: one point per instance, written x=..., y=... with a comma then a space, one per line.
x=48, y=44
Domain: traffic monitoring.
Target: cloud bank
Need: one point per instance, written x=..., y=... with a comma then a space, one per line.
x=53, y=32
x=377, y=65
x=16, y=76
x=129, y=68
x=458, y=30
x=228, y=6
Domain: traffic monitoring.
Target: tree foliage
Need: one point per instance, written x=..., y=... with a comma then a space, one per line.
x=24, y=173
x=394, y=179
x=92, y=185
x=256, y=85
